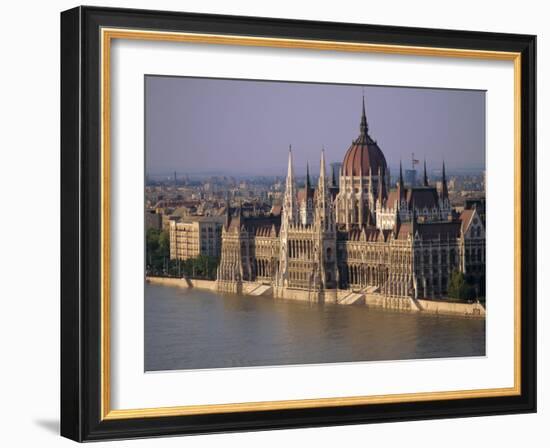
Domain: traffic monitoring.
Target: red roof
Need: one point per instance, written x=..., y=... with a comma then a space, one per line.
x=465, y=218
x=363, y=155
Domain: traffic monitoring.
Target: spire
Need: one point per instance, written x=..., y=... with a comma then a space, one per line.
x=401, y=184
x=290, y=170
x=322, y=187
x=323, y=169
x=290, y=212
x=308, y=181
x=444, y=190
x=322, y=212
x=425, y=175
x=364, y=127
x=288, y=218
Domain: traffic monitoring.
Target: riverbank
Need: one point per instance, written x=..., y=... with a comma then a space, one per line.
x=342, y=297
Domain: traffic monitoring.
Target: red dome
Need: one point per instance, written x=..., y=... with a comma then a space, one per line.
x=364, y=154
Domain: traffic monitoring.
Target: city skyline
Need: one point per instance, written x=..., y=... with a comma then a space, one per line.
x=231, y=122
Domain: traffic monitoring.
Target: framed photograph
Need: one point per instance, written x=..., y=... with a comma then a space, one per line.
x=274, y=223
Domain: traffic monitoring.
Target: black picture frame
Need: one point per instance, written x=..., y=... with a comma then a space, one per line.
x=81, y=224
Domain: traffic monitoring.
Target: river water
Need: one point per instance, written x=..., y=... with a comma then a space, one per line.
x=199, y=329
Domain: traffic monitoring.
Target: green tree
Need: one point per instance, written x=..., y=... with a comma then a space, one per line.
x=459, y=288
x=164, y=243
x=158, y=259
x=157, y=250
x=152, y=242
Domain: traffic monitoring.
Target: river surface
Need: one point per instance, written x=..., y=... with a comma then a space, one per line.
x=199, y=329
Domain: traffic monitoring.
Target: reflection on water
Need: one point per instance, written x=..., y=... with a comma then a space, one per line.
x=195, y=329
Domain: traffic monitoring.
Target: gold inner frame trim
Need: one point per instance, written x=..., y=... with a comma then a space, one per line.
x=107, y=35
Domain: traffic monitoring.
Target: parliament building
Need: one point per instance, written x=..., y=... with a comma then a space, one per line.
x=358, y=236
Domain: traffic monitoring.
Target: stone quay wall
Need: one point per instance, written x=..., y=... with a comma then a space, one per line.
x=425, y=306
x=456, y=308
x=405, y=304
x=303, y=295
x=183, y=283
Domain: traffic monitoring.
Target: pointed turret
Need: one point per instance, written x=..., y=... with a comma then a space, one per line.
x=306, y=203
x=322, y=185
x=323, y=204
x=425, y=182
x=290, y=211
x=444, y=190
x=401, y=183
x=323, y=170
x=289, y=217
x=364, y=127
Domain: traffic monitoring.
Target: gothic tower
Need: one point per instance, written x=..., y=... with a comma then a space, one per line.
x=444, y=202
x=306, y=202
x=325, y=234
x=289, y=217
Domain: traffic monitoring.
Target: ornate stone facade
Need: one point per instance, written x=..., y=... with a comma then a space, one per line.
x=355, y=238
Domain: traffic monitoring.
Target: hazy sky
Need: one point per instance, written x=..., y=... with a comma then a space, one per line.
x=197, y=125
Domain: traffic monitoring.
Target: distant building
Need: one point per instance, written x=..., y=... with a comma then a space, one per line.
x=410, y=178
x=194, y=236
